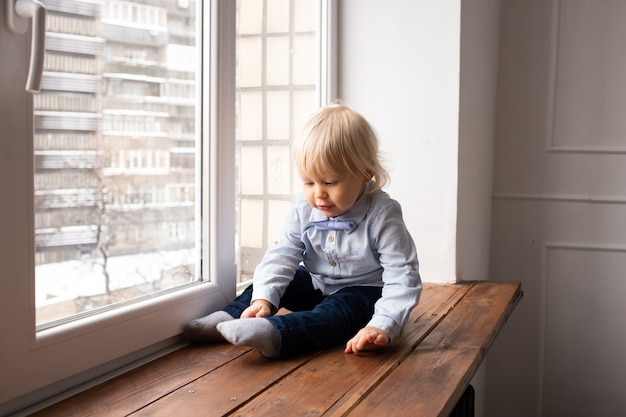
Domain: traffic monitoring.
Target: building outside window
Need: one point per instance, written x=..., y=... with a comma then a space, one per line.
x=117, y=102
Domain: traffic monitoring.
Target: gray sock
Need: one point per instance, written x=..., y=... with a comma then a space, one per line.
x=204, y=329
x=258, y=333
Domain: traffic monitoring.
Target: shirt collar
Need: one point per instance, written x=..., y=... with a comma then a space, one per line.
x=356, y=213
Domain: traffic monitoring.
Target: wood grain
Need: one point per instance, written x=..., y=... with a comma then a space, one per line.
x=434, y=376
x=423, y=373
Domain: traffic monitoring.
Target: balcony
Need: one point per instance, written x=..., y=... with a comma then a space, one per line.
x=68, y=198
x=75, y=7
x=66, y=160
x=68, y=43
x=74, y=83
x=134, y=35
x=66, y=236
x=58, y=120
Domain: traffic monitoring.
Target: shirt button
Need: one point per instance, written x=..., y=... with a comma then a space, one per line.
x=331, y=238
x=333, y=263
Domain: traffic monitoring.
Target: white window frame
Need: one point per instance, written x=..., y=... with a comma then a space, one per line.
x=38, y=365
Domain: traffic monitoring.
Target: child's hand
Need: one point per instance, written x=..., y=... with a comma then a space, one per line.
x=368, y=338
x=259, y=308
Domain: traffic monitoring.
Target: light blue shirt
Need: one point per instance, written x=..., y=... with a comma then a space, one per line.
x=379, y=252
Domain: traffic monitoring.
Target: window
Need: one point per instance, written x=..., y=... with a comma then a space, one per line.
x=113, y=152
x=279, y=83
x=123, y=242
x=124, y=152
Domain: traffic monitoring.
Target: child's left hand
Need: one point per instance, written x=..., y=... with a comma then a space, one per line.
x=368, y=338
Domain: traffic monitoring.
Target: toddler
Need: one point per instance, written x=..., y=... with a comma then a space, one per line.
x=345, y=267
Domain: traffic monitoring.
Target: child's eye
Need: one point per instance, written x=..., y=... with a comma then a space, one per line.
x=329, y=184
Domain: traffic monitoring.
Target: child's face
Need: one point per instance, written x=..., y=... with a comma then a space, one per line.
x=332, y=194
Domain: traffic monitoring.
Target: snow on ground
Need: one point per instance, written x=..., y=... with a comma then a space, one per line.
x=71, y=279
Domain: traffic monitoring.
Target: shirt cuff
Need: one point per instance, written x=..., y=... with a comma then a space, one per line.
x=387, y=324
x=266, y=293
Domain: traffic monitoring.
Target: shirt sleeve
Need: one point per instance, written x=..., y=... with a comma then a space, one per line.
x=402, y=285
x=279, y=264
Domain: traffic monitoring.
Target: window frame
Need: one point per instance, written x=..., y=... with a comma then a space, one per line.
x=39, y=365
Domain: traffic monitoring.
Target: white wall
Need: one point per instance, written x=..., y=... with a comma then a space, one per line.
x=425, y=74
x=399, y=67
x=480, y=27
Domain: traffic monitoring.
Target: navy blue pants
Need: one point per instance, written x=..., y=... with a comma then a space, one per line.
x=316, y=321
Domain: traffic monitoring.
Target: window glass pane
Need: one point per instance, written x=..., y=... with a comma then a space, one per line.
x=278, y=66
x=115, y=154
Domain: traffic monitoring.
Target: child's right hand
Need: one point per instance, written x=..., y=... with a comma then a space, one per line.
x=258, y=308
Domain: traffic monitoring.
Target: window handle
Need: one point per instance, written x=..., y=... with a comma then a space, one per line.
x=18, y=12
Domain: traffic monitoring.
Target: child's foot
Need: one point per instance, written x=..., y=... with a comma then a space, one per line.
x=258, y=333
x=204, y=329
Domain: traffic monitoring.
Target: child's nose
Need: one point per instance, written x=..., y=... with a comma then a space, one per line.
x=320, y=192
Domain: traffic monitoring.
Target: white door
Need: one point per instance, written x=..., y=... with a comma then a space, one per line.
x=559, y=210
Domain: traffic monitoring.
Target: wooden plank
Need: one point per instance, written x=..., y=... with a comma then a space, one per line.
x=434, y=376
x=426, y=385
x=225, y=389
x=437, y=302
x=481, y=314
x=334, y=379
x=424, y=372
x=133, y=390
x=314, y=387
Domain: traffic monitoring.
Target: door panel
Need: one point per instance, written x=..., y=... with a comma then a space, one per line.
x=560, y=189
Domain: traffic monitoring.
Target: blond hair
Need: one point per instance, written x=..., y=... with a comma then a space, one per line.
x=337, y=139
